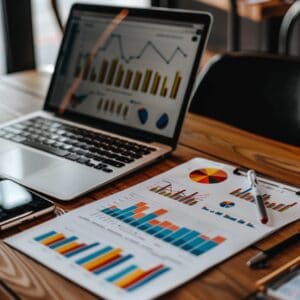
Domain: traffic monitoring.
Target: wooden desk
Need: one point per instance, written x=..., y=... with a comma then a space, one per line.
x=22, y=93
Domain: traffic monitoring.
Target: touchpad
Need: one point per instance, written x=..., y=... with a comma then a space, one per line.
x=21, y=163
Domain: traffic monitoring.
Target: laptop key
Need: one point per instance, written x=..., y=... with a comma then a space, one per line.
x=72, y=156
x=45, y=148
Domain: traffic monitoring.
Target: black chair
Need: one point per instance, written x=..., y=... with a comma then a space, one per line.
x=255, y=92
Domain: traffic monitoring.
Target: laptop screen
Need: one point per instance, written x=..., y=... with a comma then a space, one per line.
x=126, y=69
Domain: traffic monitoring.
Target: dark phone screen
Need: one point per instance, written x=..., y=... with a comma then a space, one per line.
x=15, y=200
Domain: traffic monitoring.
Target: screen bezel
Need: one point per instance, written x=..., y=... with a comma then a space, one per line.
x=204, y=19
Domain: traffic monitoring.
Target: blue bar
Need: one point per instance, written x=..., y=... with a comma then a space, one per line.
x=177, y=234
x=107, y=210
x=147, y=279
x=93, y=255
x=241, y=221
x=44, y=236
x=63, y=242
x=204, y=248
x=145, y=226
x=122, y=211
x=129, y=220
x=79, y=250
x=230, y=218
x=115, y=212
x=154, y=229
x=144, y=219
x=122, y=273
x=186, y=238
x=164, y=233
x=113, y=264
x=195, y=242
x=125, y=215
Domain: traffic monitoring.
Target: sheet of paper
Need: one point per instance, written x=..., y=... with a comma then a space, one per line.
x=153, y=237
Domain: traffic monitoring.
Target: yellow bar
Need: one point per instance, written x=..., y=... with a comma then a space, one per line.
x=128, y=79
x=155, y=83
x=103, y=70
x=53, y=239
x=175, y=86
x=129, y=278
x=102, y=259
x=146, y=82
x=119, y=76
x=137, y=80
x=112, y=71
x=66, y=247
x=163, y=91
x=125, y=112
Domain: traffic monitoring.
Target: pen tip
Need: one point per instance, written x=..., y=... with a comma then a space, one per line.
x=264, y=220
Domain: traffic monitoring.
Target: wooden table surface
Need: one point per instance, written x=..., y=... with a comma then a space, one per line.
x=257, y=12
x=22, y=93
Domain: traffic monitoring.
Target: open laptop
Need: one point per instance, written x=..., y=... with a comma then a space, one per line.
x=116, y=101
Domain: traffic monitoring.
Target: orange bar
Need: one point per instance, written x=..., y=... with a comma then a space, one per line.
x=140, y=215
x=53, y=239
x=154, y=222
x=218, y=239
x=141, y=204
x=160, y=212
x=174, y=227
x=140, y=209
x=166, y=224
x=67, y=247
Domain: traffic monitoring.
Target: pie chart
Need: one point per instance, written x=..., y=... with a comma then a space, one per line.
x=208, y=175
x=227, y=204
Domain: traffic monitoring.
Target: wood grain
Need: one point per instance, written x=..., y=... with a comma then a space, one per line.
x=200, y=137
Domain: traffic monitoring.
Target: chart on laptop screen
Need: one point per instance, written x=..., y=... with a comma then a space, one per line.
x=136, y=76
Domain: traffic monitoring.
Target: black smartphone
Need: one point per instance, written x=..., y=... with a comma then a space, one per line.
x=18, y=204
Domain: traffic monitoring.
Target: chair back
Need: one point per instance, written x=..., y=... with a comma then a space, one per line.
x=256, y=92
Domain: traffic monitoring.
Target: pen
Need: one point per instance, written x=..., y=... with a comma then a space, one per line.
x=257, y=197
x=260, y=259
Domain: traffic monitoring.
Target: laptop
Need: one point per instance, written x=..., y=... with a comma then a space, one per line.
x=116, y=101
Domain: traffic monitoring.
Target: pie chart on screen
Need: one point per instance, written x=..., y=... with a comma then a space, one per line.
x=208, y=176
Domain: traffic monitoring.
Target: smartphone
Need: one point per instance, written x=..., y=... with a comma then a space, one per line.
x=17, y=204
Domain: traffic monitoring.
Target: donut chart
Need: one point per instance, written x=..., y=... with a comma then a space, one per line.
x=227, y=204
x=208, y=176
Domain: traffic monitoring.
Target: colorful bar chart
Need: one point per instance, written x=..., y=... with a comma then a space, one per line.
x=133, y=277
x=101, y=260
x=114, y=73
x=184, y=238
x=274, y=205
x=180, y=195
x=228, y=217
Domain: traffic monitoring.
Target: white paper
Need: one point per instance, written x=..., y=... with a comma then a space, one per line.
x=217, y=224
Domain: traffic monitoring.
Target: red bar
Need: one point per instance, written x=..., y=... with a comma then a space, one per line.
x=142, y=276
x=105, y=263
x=74, y=248
x=160, y=212
x=140, y=215
x=154, y=222
x=218, y=239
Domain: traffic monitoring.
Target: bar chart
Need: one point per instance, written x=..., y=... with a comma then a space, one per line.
x=245, y=194
x=228, y=216
x=168, y=189
x=102, y=259
x=113, y=107
x=184, y=238
x=113, y=73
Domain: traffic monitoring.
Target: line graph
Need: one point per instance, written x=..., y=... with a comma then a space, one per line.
x=149, y=44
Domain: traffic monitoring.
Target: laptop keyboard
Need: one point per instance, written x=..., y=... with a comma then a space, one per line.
x=86, y=147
